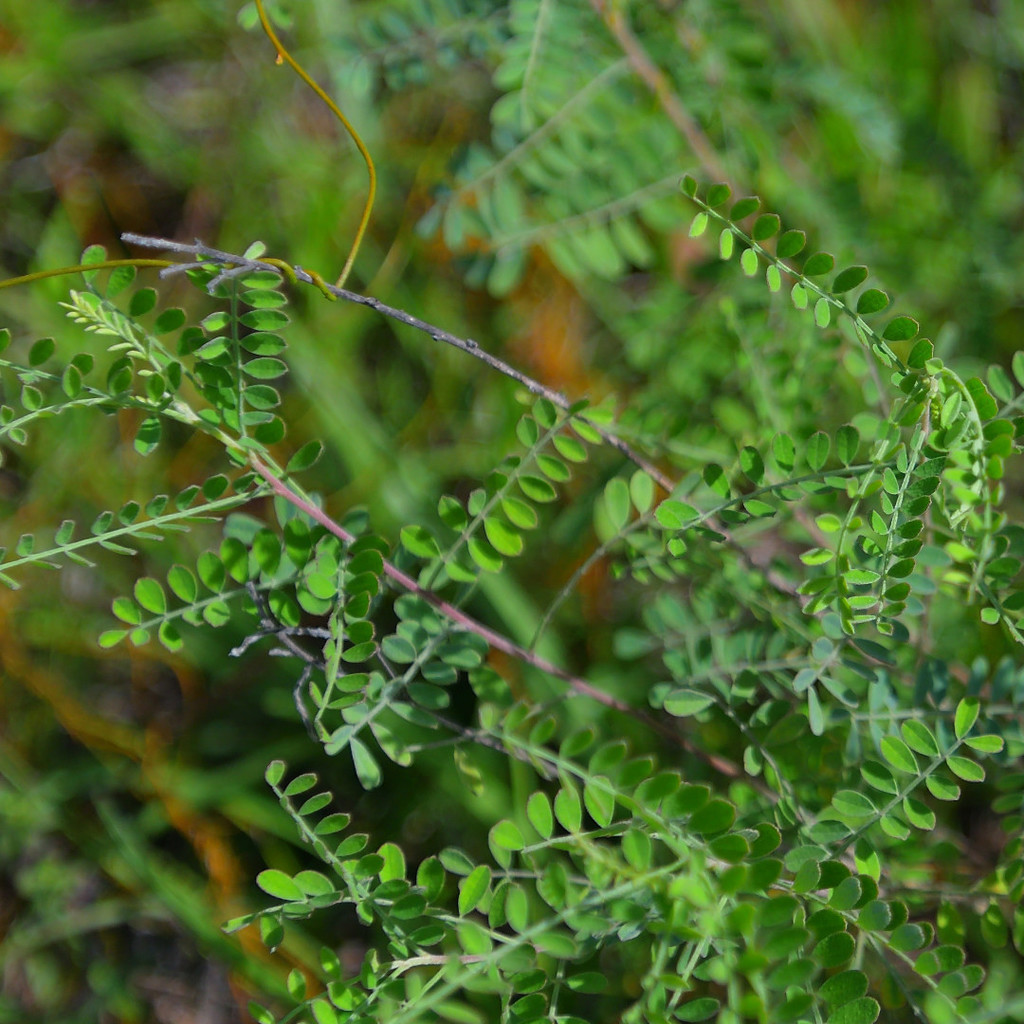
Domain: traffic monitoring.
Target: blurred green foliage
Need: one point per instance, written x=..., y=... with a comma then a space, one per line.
x=134, y=812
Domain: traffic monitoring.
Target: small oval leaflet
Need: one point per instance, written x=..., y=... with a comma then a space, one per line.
x=718, y=194
x=765, y=226
x=900, y=328
x=278, y=884
x=744, y=207
x=789, y=244
x=849, y=278
x=819, y=263
x=684, y=702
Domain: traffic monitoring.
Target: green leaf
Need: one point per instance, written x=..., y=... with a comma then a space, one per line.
x=305, y=457
x=92, y=254
x=301, y=784
x=536, y=488
x=698, y=225
x=568, y=809
x=744, y=208
x=505, y=835
x=718, y=194
x=588, y=981
x=751, y=464
x=715, y=816
x=985, y=744
x=784, y=452
x=473, y=888
x=874, y=916
x=599, y=800
x=127, y=610
x=703, y=1008
x=142, y=302
x=40, y=351
x=847, y=443
x=939, y=960
x=920, y=354
x=182, y=583
x=900, y=328
x=861, y=1011
x=965, y=769
x=765, y=226
x=983, y=401
x=502, y=537
x=898, y=754
x=637, y=849
x=31, y=398
x=994, y=927
x=169, y=320
x=999, y=383
x=879, y=777
x=418, y=540
x=119, y=279
x=789, y=244
x=279, y=885
x=150, y=595
x=538, y=811
x=716, y=480
x=264, y=319
x=843, y=988
x=897, y=829
x=822, y=313
x=484, y=555
x=818, y=264
x=617, y=503
x=71, y=381
x=111, y=638
x=920, y=738
x=265, y=368
x=641, y=491
x=684, y=702
x=569, y=447
x=834, y=950
x=853, y=804
x=872, y=300
x=918, y=814
x=817, y=450
x=942, y=789
x=907, y=937
x=263, y=298
x=966, y=715
x=64, y=532
x=367, y=769
x=849, y=278
x=674, y=515
x=262, y=343
x=148, y=436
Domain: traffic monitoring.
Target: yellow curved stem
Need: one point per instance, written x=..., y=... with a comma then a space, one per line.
x=286, y=268
x=322, y=285
x=283, y=54
x=102, y=265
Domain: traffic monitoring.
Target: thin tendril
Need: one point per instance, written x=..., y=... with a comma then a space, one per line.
x=283, y=54
x=10, y=282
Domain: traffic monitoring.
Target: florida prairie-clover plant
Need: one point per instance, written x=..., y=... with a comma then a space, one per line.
x=760, y=855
